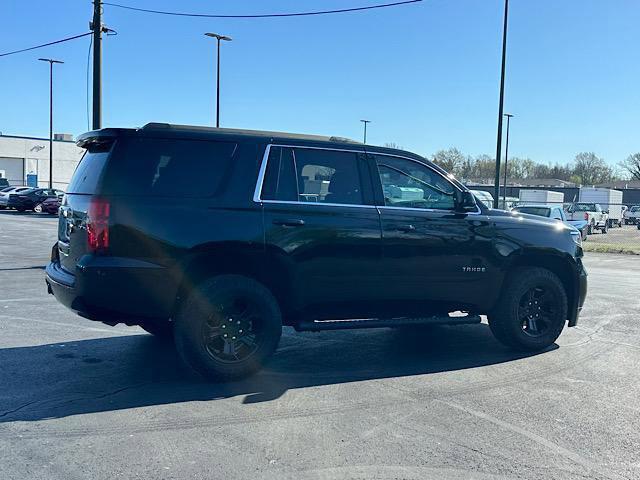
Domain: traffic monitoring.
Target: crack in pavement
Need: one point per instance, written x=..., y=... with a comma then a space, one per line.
x=554, y=447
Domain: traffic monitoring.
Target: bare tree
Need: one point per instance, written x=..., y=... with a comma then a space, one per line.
x=631, y=164
x=591, y=169
x=451, y=160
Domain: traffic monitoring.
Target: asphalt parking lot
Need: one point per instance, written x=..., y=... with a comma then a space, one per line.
x=84, y=400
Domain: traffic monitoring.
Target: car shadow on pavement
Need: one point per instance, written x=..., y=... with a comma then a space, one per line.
x=122, y=372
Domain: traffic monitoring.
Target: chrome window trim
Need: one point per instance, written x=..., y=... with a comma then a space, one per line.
x=263, y=169
x=430, y=210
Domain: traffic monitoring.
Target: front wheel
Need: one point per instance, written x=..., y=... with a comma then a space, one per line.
x=38, y=208
x=228, y=327
x=532, y=310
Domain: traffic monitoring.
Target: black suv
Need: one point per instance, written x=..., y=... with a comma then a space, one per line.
x=219, y=237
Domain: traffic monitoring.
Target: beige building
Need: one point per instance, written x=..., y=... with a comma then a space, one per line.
x=21, y=156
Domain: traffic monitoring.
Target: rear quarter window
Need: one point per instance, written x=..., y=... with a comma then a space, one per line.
x=168, y=167
x=89, y=171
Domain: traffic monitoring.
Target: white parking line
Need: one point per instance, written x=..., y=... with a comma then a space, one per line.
x=68, y=325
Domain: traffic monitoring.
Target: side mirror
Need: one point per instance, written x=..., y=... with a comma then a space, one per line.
x=466, y=202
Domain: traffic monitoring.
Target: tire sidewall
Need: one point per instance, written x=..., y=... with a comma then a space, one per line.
x=192, y=315
x=506, y=321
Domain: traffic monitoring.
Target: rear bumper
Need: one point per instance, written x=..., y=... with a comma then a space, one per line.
x=112, y=289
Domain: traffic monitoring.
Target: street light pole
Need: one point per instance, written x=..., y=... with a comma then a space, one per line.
x=365, y=129
x=501, y=105
x=51, y=62
x=506, y=159
x=218, y=38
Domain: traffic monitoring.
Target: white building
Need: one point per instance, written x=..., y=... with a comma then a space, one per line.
x=21, y=156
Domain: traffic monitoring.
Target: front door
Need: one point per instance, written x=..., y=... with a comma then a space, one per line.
x=431, y=253
x=321, y=222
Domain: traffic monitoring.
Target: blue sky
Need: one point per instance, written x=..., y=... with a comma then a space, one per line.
x=425, y=74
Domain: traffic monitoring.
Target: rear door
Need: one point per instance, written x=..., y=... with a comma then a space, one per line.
x=320, y=220
x=431, y=253
x=72, y=235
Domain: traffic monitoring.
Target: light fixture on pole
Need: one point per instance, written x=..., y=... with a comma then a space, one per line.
x=51, y=62
x=506, y=159
x=365, y=129
x=219, y=38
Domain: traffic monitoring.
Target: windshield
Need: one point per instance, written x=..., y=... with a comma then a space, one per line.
x=584, y=207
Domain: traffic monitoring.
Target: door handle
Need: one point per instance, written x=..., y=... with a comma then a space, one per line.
x=289, y=222
x=405, y=228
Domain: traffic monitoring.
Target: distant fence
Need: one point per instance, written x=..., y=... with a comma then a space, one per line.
x=630, y=196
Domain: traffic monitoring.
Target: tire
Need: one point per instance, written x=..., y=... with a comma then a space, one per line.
x=162, y=330
x=605, y=229
x=222, y=308
x=584, y=235
x=513, y=322
x=590, y=229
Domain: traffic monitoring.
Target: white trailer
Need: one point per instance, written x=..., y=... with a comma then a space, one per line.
x=541, y=197
x=610, y=200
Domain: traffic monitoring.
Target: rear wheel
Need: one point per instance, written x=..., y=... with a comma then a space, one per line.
x=590, y=229
x=605, y=229
x=227, y=327
x=532, y=311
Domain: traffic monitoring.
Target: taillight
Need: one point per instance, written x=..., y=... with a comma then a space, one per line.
x=586, y=216
x=98, y=224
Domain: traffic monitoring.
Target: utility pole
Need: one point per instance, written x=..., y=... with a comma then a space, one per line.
x=365, y=129
x=226, y=39
x=496, y=195
x=96, y=26
x=51, y=62
x=506, y=159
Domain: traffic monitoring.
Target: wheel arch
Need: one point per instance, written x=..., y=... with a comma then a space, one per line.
x=561, y=265
x=251, y=260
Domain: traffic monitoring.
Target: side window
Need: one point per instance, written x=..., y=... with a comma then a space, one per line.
x=409, y=184
x=168, y=167
x=280, y=178
x=327, y=176
x=312, y=176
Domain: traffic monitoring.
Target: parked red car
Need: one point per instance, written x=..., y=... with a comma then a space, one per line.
x=50, y=205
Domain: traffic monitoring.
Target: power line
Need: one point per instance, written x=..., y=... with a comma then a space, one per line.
x=45, y=44
x=265, y=15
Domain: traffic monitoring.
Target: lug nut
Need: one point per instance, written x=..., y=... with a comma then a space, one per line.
x=224, y=326
x=233, y=338
x=240, y=331
x=225, y=335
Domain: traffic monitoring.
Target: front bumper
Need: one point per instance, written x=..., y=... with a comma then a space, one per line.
x=580, y=295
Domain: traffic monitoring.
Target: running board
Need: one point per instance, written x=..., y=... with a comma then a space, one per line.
x=318, y=325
